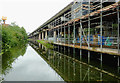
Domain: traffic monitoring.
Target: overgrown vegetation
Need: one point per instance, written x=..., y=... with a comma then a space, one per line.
x=45, y=43
x=13, y=35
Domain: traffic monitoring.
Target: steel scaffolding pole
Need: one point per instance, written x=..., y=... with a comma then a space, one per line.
x=64, y=33
x=64, y=29
x=73, y=26
x=80, y=25
x=89, y=26
x=80, y=41
x=118, y=39
x=58, y=34
x=61, y=32
x=74, y=35
x=101, y=26
x=89, y=34
x=73, y=12
x=56, y=29
x=68, y=34
x=49, y=31
x=80, y=32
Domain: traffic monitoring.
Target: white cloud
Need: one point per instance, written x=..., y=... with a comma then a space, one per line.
x=31, y=13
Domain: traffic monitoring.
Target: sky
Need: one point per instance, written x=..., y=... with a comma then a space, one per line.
x=30, y=13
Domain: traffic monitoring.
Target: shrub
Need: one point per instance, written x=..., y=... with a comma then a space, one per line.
x=13, y=36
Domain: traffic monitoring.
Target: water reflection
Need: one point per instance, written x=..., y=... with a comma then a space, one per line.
x=19, y=65
x=71, y=69
x=10, y=56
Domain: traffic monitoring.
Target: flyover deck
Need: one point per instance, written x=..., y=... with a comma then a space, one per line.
x=95, y=49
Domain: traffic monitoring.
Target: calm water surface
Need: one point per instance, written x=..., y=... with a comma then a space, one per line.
x=34, y=62
x=30, y=67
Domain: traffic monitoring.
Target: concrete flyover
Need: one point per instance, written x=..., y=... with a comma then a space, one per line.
x=92, y=26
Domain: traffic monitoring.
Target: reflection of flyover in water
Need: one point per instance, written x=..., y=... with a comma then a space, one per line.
x=71, y=69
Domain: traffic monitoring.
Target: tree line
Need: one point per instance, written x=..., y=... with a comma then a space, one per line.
x=12, y=35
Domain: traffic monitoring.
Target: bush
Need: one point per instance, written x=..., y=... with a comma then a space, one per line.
x=13, y=36
x=46, y=44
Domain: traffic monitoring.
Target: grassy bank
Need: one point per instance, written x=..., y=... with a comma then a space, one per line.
x=45, y=43
x=12, y=35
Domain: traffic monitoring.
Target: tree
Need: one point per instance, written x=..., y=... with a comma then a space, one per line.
x=13, y=24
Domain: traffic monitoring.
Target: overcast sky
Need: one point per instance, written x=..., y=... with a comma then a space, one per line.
x=30, y=13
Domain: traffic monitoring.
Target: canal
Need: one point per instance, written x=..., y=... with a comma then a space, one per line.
x=34, y=62
x=26, y=64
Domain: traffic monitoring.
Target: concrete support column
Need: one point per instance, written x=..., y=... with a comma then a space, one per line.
x=79, y=30
x=58, y=35
x=46, y=35
x=39, y=36
x=55, y=36
x=42, y=35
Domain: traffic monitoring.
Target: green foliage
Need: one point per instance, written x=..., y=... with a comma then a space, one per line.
x=13, y=36
x=45, y=43
x=0, y=20
x=0, y=40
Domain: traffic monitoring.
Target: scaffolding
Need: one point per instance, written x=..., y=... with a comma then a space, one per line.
x=87, y=24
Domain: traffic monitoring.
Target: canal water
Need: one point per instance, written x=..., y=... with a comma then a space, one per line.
x=27, y=65
x=34, y=62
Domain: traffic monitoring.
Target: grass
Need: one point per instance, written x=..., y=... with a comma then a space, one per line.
x=45, y=43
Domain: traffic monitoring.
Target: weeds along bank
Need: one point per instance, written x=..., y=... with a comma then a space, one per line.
x=46, y=44
x=12, y=35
